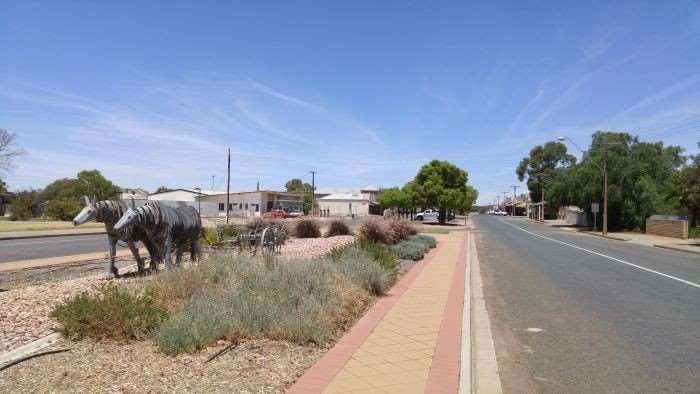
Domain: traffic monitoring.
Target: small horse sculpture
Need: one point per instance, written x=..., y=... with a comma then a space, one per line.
x=166, y=227
x=109, y=212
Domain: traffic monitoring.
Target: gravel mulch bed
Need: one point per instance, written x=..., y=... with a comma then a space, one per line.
x=314, y=247
x=256, y=366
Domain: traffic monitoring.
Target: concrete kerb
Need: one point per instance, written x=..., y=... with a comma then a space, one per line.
x=670, y=247
x=51, y=235
x=483, y=368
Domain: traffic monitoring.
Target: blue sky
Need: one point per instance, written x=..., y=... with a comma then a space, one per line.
x=152, y=93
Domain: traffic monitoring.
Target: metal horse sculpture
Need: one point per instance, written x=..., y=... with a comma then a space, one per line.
x=166, y=227
x=109, y=212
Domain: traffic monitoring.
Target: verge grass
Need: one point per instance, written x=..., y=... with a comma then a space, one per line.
x=31, y=225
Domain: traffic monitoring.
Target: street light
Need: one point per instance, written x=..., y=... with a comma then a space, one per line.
x=604, y=169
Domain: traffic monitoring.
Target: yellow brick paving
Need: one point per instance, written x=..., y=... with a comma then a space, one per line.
x=397, y=355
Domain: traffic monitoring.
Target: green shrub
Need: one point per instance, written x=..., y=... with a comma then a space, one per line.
x=374, y=229
x=211, y=237
x=426, y=240
x=380, y=253
x=62, y=209
x=409, y=250
x=302, y=301
x=400, y=229
x=307, y=228
x=338, y=227
x=361, y=269
x=113, y=312
x=694, y=232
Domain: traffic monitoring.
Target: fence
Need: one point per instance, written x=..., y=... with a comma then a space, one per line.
x=667, y=227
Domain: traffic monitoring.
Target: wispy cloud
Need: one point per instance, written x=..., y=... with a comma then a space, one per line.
x=176, y=132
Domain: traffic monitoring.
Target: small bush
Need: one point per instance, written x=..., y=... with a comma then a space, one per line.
x=409, y=250
x=374, y=229
x=362, y=270
x=303, y=301
x=338, y=227
x=113, y=313
x=381, y=254
x=307, y=228
x=426, y=240
x=211, y=237
x=400, y=229
x=256, y=223
x=694, y=232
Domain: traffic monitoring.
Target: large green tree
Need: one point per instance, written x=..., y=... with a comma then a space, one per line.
x=296, y=185
x=25, y=205
x=640, y=176
x=686, y=188
x=441, y=185
x=61, y=198
x=393, y=197
x=541, y=165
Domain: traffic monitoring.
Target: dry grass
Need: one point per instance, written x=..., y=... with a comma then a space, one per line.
x=374, y=229
x=338, y=227
x=31, y=225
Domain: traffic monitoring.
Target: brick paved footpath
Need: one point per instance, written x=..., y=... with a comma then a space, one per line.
x=410, y=340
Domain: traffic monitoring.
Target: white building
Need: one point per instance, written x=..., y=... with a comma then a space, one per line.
x=183, y=195
x=247, y=204
x=360, y=203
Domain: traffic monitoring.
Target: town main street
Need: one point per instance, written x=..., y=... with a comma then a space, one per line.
x=576, y=313
x=37, y=248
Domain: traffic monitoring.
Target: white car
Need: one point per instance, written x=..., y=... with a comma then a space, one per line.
x=498, y=212
x=427, y=215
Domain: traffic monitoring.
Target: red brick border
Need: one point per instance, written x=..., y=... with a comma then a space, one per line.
x=444, y=371
x=320, y=374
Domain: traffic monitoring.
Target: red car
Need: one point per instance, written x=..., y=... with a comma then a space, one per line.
x=276, y=214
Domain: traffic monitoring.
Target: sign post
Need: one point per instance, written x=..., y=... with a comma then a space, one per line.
x=595, y=208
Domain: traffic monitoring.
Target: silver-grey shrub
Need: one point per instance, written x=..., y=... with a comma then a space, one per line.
x=299, y=301
x=358, y=266
x=426, y=240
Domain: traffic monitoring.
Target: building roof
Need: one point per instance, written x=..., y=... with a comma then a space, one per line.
x=345, y=197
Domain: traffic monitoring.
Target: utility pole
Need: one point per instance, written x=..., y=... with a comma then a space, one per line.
x=504, y=200
x=313, y=192
x=228, y=185
x=605, y=189
x=515, y=187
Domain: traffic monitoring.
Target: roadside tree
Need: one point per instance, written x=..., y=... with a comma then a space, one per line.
x=441, y=185
x=296, y=185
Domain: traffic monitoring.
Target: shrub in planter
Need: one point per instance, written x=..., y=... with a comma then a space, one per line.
x=362, y=270
x=381, y=254
x=307, y=228
x=401, y=229
x=409, y=250
x=256, y=223
x=114, y=313
x=211, y=237
x=374, y=229
x=338, y=227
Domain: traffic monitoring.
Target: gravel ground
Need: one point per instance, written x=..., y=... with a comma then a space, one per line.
x=258, y=366
x=314, y=247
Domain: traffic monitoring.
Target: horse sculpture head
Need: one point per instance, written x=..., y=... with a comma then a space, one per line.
x=127, y=221
x=88, y=213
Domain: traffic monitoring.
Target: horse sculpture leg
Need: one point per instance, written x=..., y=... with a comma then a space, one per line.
x=167, y=247
x=137, y=256
x=179, y=249
x=153, y=252
x=112, y=254
x=195, y=252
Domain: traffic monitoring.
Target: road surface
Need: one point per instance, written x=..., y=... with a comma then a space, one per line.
x=577, y=313
x=36, y=248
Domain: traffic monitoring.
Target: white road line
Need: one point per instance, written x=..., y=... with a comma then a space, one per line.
x=687, y=282
x=55, y=241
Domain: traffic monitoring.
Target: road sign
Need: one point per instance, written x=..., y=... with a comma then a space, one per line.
x=595, y=207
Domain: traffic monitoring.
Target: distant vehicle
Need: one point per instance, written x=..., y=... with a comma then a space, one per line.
x=294, y=214
x=276, y=214
x=498, y=212
x=428, y=214
x=490, y=212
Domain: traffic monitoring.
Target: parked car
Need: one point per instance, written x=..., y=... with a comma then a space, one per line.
x=295, y=214
x=276, y=214
x=427, y=215
x=498, y=212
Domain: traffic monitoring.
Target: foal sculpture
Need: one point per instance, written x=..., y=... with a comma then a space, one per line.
x=166, y=227
x=109, y=212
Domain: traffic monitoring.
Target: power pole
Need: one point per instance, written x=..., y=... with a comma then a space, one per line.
x=313, y=192
x=504, y=200
x=228, y=185
x=605, y=188
x=515, y=187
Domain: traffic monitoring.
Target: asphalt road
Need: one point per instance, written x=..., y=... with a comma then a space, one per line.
x=576, y=313
x=36, y=248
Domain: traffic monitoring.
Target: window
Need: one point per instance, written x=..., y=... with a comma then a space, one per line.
x=221, y=206
x=246, y=206
x=257, y=207
x=240, y=205
x=230, y=207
